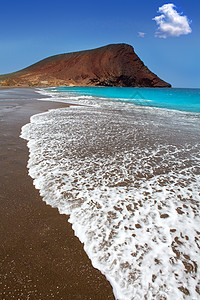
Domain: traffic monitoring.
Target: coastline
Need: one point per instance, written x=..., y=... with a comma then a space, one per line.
x=40, y=256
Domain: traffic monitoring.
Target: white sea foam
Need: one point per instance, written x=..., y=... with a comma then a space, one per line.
x=131, y=185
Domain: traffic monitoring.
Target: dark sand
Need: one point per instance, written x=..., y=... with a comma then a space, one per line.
x=40, y=258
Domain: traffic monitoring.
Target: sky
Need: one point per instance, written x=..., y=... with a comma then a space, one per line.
x=164, y=34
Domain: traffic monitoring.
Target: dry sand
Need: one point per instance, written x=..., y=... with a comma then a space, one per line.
x=40, y=258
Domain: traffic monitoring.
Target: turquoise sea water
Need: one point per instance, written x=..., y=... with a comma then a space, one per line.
x=173, y=98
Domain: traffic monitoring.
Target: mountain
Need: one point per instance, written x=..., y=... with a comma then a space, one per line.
x=111, y=65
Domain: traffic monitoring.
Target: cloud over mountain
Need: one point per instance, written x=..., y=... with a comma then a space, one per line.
x=171, y=23
x=141, y=34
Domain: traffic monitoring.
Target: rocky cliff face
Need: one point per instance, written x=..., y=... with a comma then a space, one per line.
x=112, y=65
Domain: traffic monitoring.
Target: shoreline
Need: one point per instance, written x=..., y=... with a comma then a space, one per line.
x=40, y=256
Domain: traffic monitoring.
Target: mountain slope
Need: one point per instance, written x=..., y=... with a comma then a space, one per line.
x=112, y=65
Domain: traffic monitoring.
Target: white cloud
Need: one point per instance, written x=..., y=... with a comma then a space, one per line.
x=141, y=34
x=170, y=22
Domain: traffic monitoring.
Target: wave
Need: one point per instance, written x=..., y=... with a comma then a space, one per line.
x=131, y=185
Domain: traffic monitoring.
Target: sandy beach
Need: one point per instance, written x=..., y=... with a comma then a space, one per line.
x=40, y=258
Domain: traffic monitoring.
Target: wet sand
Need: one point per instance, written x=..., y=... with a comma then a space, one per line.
x=40, y=258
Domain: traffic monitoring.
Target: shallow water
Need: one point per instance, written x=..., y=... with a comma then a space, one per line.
x=168, y=98
x=129, y=177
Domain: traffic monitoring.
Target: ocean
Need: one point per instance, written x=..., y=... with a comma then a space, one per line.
x=124, y=164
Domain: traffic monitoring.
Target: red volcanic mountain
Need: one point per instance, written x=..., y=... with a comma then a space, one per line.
x=112, y=65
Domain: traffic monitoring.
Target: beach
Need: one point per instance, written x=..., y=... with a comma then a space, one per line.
x=40, y=258
x=119, y=171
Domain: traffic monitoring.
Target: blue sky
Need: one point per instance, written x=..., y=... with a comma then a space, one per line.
x=33, y=30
